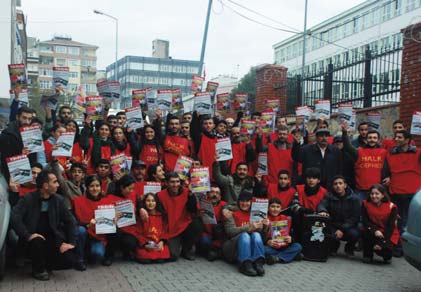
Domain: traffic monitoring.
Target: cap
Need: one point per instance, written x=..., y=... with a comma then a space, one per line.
x=322, y=131
x=337, y=139
x=138, y=163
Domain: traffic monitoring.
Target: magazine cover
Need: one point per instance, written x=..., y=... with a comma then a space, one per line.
x=212, y=87
x=152, y=187
x=223, y=103
x=164, y=99
x=249, y=126
x=259, y=209
x=240, y=102
x=19, y=168
x=347, y=114
x=373, y=120
x=182, y=166
x=119, y=164
x=177, y=101
x=94, y=107
x=273, y=104
x=200, y=180
x=208, y=215
x=202, y=103
x=65, y=144
x=139, y=98
x=280, y=232
x=322, y=109
x=114, y=87
x=134, y=118
x=416, y=123
x=21, y=97
x=267, y=122
x=262, y=163
x=50, y=100
x=60, y=78
x=126, y=209
x=224, y=149
x=305, y=112
x=197, y=83
x=105, y=219
x=32, y=138
x=17, y=76
x=80, y=100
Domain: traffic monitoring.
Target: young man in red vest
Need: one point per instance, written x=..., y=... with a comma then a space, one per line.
x=388, y=144
x=174, y=143
x=370, y=167
x=404, y=162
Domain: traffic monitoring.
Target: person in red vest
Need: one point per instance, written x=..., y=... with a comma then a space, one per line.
x=210, y=243
x=174, y=143
x=242, y=150
x=185, y=132
x=103, y=170
x=281, y=121
x=50, y=143
x=306, y=199
x=138, y=171
x=370, y=167
x=397, y=125
x=276, y=251
x=180, y=208
x=279, y=154
x=120, y=141
x=379, y=216
x=404, y=162
x=282, y=189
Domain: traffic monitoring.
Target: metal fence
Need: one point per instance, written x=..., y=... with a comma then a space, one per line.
x=366, y=80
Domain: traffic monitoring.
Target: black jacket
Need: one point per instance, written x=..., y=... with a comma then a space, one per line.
x=25, y=216
x=343, y=211
x=11, y=145
x=310, y=156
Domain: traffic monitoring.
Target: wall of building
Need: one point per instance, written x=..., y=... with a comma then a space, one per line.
x=5, y=48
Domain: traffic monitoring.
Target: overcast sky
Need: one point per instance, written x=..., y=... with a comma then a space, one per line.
x=232, y=40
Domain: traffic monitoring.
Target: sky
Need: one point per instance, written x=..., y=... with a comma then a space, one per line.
x=234, y=43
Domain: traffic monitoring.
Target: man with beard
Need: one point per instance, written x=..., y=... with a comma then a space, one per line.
x=242, y=150
x=370, y=167
x=211, y=241
x=175, y=144
x=185, y=132
x=362, y=137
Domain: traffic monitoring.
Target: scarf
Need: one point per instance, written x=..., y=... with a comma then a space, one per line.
x=96, y=148
x=311, y=191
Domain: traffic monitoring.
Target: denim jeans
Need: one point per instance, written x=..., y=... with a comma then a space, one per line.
x=97, y=247
x=250, y=247
x=286, y=254
x=351, y=237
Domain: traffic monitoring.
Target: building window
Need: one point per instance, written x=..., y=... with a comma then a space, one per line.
x=151, y=67
x=61, y=62
x=73, y=74
x=45, y=72
x=135, y=66
x=89, y=87
x=61, y=49
x=72, y=87
x=45, y=84
x=73, y=51
x=74, y=62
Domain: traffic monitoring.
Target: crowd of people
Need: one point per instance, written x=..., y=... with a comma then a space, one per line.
x=363, y=185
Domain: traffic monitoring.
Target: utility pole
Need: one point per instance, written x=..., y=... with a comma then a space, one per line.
x=304, y=53
x=205, y=37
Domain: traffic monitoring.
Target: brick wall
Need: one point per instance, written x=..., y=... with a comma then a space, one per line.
x=271, y=81
x=411, y=74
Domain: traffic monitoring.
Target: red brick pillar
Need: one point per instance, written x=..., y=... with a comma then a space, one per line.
x=271, y=82
x=411, y=74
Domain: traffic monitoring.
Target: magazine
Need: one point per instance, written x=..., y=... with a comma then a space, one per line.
x=208, y=216
x=182, y=166
x=200, y=180
x=267, y=122
x=134, y=118
x=139, y=98
x=240, y=102
x=119, y=164
x=322, y=109
x=280, y=232
x=17, y=74
x=32, y=138
x=95, y=107
x=248, y=126
x=177, y=100
x=262, y=163
x=127, y=211
x=212, y=87
x=152, y=187
x=105, y=220
x=273, y=105
x=373, y=120
x=60, y=78
x=224, y=149
x=164, y=99
x=202, y=103
x=416, y=123
x=65, y=144
x=223, y=103
x=197, y=83
x=304, y=112
x=259, y=209
x=19, y=168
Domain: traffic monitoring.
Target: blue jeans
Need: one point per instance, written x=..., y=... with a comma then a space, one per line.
x=351, y=237
x=250, y=247
x=97, y=247
x=286, y=254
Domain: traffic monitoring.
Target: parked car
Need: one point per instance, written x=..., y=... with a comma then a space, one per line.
x=411, y=238
x=4, y=222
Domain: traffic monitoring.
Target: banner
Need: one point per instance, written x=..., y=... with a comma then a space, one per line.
x=273, y=104
x=32, y=138
x=197, y=83
x=60, y=78
x=164, y=99
x=416, y=123
x=373, y=121
x=322, y=109
x=94, y=107
x=65, y=144
x=223, y=103
x=202, y=103
x=212, y=87
x=19, y=168
x=17, y=76
x=134, y=118
x=240, y=102
x=177, y=100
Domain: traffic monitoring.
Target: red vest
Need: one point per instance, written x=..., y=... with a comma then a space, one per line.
x=126, y=151
x=207, y=152
x=388, y=144
x=174, y=146
x=132, y=228
x=149, y=154
x=278, y=159
x=286, y=197
x=105, y=154
x=48, y=150
x=310, y=202
x=24, y=190
x=241, y=218
x=175, y=207
x=379, y=215
x=405, y=172
x=368, y=167
x=218, y=216
x=238, y=155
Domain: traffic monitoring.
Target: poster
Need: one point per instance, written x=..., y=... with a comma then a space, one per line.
x=182, y=166
x=212, y=87
x=134, y=118
x=17, y=76
x=65, y=144
x=303, y=112
x=139, y=98
x=152, y=187
x=200, y=180
x=223, y=148
x=60, y=78
x=105, y=219
x=240, y=102
x=126, y=209
x=197, y=83
x=202, y=103
x=416, y=123
x=273, y=104
x=262, y=163
x=223, y=103
x=259, y=209
x=208, y=215
x=32, y=138
x=322, y=109
x=247, y=126
x=373, y=121
x=19, y=168
x=164, y=99
x=94, y=107
x=267, y=122
x=177, y=100
x=119, y=164
x=280, y=232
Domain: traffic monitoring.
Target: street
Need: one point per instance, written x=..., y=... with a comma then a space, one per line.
x=338, y=274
